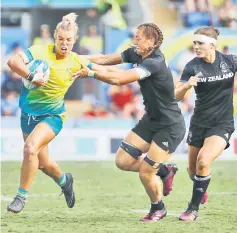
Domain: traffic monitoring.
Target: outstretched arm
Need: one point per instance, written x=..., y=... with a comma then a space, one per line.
x=107, y=59
x=120, y=77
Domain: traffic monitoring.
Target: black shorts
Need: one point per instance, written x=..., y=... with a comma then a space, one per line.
x=167, y=137
x=197, y=134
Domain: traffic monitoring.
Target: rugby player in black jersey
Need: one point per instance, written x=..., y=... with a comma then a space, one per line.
x=162, y=128
x=211, y=74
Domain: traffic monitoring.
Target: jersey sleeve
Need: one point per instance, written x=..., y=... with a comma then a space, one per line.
x=34, y=52
x=85, y=62
x=187, y=73
x=130, y=56
x=148, y=67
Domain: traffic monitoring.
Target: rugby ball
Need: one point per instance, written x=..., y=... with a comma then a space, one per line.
x=36, y=66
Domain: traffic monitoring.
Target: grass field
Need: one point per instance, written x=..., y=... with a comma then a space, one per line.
x=109, y=200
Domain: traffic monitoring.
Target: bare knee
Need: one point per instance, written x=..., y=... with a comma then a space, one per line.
x=30, y=150
x=122, y=163
x=202, y=163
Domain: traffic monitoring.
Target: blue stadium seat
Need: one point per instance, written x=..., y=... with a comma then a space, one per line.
x=196, y=19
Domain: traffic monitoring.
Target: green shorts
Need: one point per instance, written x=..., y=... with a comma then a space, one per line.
x=28, y=122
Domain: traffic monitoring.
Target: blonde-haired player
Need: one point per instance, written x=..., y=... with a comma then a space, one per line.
x=43, y=110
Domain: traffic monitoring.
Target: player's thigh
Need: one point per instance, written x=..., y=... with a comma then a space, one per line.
x=217, y=140
x=212, y=148
x=165, y=141
x=39, y=137
x=43, y=155
x=138, y=140
x=137, y=146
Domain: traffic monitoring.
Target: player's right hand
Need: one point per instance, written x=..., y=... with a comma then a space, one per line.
x=192, y=82
x=38, y=79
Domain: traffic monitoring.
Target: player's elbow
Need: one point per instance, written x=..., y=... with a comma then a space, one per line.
x=115, y=81
x=178, y=98
x=12, y=61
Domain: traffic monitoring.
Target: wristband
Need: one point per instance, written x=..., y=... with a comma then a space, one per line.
x=91, y=73
x=30, y=77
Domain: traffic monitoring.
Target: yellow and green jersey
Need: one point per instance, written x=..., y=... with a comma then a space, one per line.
x=49, y=99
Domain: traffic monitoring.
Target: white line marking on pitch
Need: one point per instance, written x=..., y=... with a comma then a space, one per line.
x=6, y=198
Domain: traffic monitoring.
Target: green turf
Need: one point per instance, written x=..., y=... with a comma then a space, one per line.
x=109, y=200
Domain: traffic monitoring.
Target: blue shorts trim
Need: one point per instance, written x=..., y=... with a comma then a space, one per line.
x=28, y=122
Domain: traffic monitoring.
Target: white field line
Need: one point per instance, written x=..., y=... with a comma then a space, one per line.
x=7, y=198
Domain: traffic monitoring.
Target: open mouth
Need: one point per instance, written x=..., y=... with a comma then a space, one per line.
x=63, y=50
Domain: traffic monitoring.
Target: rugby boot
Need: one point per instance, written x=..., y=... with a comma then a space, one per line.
x=154, y=216
x=68, y=192
x=17, y=204
x=190, y=214
x=168, y=180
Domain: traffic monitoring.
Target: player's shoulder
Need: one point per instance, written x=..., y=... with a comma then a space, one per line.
x=156, y=56
x=76, y=57
x=227, y=57
x=49, y=47
x=131, y=50
x=194, y=61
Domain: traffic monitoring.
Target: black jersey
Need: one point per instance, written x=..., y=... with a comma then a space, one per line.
x=214, y=92
x=158, y=88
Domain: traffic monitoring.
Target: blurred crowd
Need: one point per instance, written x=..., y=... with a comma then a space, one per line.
x=195, y=13
x=120, y=101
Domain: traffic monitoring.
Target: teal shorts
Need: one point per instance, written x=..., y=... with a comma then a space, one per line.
x=28, y=122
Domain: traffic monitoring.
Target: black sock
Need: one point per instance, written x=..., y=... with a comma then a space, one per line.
x=163, y=171
x=157, y=206
x=200, y=185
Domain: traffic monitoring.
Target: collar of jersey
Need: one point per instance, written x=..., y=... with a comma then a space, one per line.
x=54, y=54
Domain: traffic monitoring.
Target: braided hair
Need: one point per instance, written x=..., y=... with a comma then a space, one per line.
x=152, y=31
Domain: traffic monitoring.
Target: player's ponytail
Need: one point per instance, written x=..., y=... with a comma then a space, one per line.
x=68, y=23
x=70, y=17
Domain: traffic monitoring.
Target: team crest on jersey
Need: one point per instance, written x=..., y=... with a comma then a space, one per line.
x=224, y=67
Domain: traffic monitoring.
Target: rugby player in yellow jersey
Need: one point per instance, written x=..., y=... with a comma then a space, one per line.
x=43, y=110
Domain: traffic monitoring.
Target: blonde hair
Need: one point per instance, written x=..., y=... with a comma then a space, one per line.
x=208, y=31
x=68, y=22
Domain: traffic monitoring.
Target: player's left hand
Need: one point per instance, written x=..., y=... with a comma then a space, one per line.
x=83, y=73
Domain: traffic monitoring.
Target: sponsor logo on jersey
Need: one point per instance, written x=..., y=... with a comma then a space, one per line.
x=224, y=67
x=216, y=78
